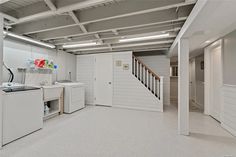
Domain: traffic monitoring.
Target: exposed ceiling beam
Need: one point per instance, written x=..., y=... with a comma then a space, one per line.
x=56, y=34
x=143, y=44
x=106, y=50
x=160, y=16
x=76, y=19
x=115, y=32
x=8, y=17
x=161, y=48
x=156, y=43
x=59, y=33
x=68, y=8
x=51, y=5
x=90, y=17
x=110, y=42
x=171, y=27
x=129, y=8
x=97, y=36
x=89, y=49
x=47, y=24
x=133, y=48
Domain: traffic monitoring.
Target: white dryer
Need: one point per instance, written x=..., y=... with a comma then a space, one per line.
x=74, y=96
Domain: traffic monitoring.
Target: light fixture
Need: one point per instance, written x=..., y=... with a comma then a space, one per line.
x=80, y=45
x=208, y=41
x=144, y=38
x=29, y=39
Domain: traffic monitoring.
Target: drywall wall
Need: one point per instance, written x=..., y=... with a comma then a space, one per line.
x=199, y=70
x=17, y=53
x=228, y=87
x=229, y=59
x=229, y=83
x=160, y=64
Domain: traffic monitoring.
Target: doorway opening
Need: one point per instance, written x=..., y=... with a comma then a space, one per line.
x=214, y=81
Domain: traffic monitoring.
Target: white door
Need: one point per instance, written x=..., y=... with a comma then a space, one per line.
x=216, y=83
x=103, y=79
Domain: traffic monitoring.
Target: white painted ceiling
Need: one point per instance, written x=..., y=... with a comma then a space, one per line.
x=106, y=21
x=213, y=21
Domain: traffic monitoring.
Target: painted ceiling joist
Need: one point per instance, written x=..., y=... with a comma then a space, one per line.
x=63, y=22
x=127, y=35
x=77, y=21
x=94, y=17
x=73, y=31
x=50, y=5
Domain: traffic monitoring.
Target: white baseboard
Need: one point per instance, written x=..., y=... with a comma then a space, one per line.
x=229, y=129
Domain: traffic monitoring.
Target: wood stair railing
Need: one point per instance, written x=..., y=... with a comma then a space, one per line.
x=148, y=78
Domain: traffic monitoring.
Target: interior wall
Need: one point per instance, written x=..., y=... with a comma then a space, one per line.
x=17, y=53
x=229, y=83
x=128, y=91
x=199, y=70
x=174, y=84
x=160, y=64
x=199, y=81
x=85, y=73
x=229, y=59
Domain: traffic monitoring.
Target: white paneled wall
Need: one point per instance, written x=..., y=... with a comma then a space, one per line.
x=85, y=74
x=160, y=64
x=128, y=91
x=17, y=53
x=229, y=108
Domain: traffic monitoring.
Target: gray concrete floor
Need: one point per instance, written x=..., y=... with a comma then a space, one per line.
x=115, y=132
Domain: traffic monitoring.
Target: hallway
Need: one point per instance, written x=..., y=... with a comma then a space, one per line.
x=106, y=131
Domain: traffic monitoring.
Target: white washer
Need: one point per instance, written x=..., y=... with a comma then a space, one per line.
x=74, y=96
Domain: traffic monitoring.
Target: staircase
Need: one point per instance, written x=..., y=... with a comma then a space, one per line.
x=148, y=78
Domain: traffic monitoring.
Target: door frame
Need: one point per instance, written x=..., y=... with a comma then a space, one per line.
x=95, y=87
x=208, y=76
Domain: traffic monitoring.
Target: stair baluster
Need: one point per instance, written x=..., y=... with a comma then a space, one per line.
x=146, y=76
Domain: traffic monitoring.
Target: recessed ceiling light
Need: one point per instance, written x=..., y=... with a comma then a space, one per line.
x=145, y=38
